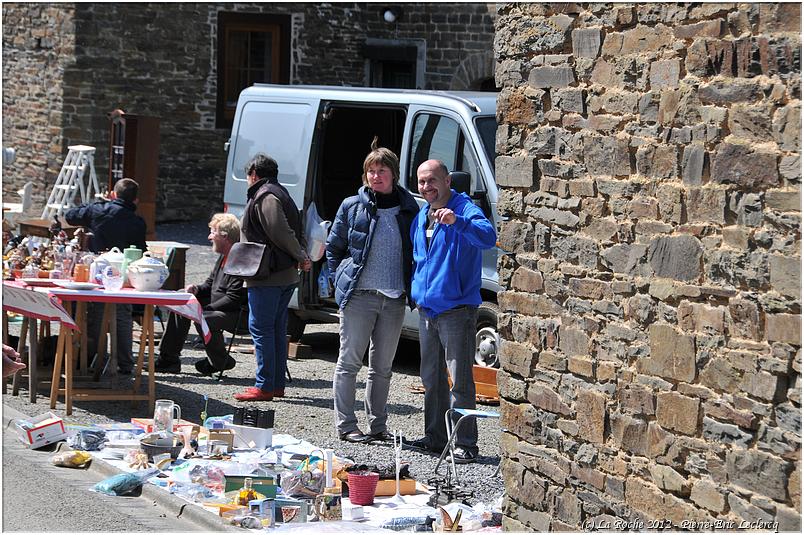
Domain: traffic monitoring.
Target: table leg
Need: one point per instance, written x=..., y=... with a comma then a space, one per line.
x=57, y=362
x=81, y=319
x=113, y=337
x=151, y=362
x=32, y=360
x=5, y=341
x=68, y=372
x=15, y=382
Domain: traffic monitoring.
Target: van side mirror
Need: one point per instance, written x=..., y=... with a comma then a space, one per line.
x=461, y=182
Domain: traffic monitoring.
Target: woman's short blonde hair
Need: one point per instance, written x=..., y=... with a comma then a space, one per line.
x=228, y=225
x=381, y=156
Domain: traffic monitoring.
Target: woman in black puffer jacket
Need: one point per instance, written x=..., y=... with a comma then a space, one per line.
x=370, y=252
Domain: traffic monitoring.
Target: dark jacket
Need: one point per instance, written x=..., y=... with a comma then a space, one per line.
x=272, y=217
x=225, y=293
x=350, y=239
x=113, y=224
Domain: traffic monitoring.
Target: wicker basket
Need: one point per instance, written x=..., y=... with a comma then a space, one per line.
x=362, y=486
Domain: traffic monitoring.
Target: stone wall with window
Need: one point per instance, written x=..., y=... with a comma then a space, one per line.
x=649, y=165
x=163, y=59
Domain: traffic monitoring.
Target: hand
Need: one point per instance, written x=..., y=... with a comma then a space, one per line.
x=306, y=264
x=445, y=216
x=10, y=352
x=192, y=289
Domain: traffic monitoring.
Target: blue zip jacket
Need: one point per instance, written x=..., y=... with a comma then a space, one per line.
x=349, y=240
x=447, y=275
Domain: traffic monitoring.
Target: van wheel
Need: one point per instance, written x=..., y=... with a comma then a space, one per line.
x=295, y=326
x=487, y=340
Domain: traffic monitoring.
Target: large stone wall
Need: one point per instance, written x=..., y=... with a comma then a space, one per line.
x=649, y=165
x=161, y=59
x=38, y=46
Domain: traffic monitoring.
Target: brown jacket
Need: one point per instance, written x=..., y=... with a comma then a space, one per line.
x=275, y=225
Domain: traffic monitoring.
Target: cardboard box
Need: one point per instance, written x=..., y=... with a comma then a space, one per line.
x=44, y=429
x=387, y=487
x=251, y=437
x=148, y=424
x=221, y=435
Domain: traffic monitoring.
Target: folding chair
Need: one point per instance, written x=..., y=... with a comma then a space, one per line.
x=452, y=433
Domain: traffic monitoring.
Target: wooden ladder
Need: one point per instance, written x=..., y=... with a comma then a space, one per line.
x=71, y=180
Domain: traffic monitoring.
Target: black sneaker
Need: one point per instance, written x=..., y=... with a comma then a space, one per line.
x=464, y=456
x=167, y=366
x=204, y=367
x=356, y=437
x=420, y=444
x=382, y=436
x=124, y=371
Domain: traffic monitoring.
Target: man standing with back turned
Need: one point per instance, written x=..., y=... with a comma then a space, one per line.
x=448, y=236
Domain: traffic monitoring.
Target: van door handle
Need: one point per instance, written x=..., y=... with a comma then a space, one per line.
x=226, y=146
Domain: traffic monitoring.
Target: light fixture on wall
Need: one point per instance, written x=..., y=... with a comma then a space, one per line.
x=391, y=14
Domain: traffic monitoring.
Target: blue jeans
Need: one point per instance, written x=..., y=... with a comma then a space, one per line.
x=268, y=324
x=369, y=320
x=447, y=342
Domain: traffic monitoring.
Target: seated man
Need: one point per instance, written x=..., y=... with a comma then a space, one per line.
x=222, y=297
x=113, y=223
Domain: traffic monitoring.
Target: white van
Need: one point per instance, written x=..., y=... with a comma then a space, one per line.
x=319, y=136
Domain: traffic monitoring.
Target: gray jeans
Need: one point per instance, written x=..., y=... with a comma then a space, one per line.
x=375, y=319
x=448, y=342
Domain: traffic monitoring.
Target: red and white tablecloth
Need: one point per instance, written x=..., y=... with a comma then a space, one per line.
x=46, y=302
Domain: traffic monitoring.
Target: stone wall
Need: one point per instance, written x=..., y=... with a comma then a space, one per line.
x=161, y=59
x=649, y=165
x=38, y=46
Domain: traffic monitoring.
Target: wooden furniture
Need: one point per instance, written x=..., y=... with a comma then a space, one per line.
x=134, y=153
x=45, y=303
x=177, y=265
x=41, y=227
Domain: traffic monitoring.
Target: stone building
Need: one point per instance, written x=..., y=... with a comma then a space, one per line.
x=66, y=65
x=649, y=164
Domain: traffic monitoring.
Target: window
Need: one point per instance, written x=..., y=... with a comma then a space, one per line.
x=252, y=49
x=440, y=138
x=394, y=63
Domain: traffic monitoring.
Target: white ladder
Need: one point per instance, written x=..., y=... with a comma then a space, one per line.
x=71, y=180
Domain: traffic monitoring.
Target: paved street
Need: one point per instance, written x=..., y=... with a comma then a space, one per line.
x=61, y=502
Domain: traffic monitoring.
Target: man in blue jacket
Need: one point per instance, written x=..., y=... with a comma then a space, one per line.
x=448, y=236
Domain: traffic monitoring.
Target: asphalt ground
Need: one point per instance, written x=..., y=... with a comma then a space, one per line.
x=307, y=410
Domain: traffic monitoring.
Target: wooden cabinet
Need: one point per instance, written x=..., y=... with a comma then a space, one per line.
x=134, y=153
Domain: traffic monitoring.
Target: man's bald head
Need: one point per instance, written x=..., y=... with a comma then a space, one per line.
x=434, y=183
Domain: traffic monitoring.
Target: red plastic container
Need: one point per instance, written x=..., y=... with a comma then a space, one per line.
x=362, y=486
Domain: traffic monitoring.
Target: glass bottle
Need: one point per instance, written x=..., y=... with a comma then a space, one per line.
x=246, y=494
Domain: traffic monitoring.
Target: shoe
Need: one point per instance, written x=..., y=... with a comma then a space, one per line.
x=253, y=393
x=420, y=444
x=279, y=392
x=204, y=367
x=124, y=371
x=356, y=437
x=167, y=366
x=382, y=436
x=463, y=456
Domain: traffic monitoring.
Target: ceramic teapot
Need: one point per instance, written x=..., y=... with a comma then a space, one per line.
x=111, y=258
x=147, y=274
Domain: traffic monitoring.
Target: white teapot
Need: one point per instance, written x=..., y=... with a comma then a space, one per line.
x=111, y=258
x=147, y=274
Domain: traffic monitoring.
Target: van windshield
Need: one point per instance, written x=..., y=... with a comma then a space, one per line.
x=487, y=128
